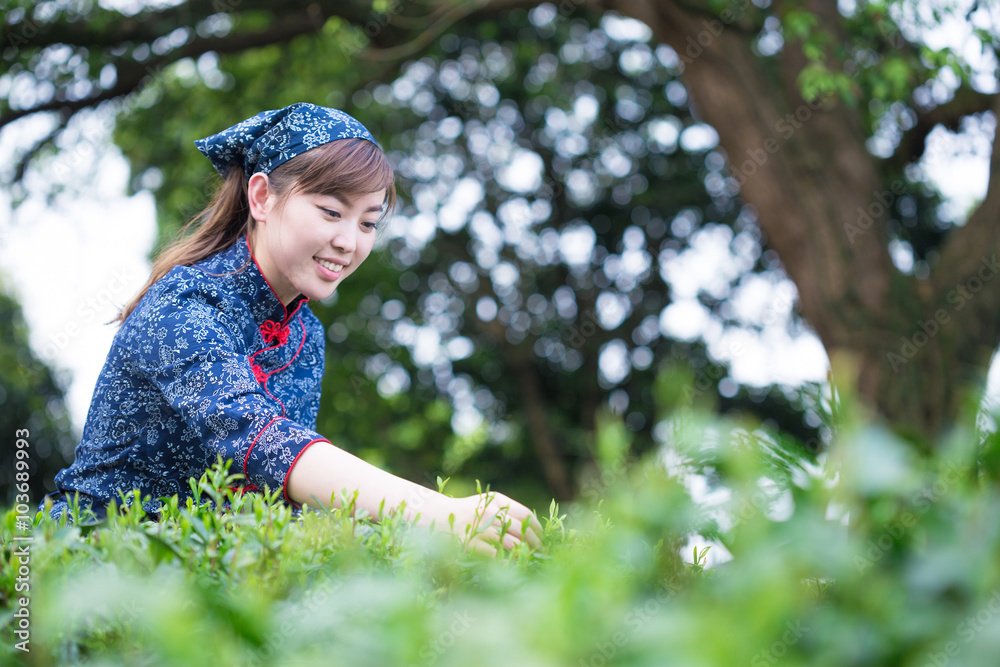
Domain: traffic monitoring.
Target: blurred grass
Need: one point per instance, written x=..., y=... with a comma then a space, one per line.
x=880, y=554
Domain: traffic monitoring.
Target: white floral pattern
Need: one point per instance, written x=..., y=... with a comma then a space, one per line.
x=180, y=385
x=261, y=143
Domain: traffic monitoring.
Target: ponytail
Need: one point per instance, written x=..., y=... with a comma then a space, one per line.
x=217, y=227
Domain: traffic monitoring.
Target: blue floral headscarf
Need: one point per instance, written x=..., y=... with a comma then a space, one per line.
x=270, y=138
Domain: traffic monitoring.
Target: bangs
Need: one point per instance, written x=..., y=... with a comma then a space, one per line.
x=346, y=169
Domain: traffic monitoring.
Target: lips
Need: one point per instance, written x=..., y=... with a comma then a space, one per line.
x=329, y=270
x=336, y=266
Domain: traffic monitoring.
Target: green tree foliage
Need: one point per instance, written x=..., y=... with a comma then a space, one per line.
x=32, y=400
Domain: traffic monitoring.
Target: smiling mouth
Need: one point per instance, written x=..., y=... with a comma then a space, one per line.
x=330, y=266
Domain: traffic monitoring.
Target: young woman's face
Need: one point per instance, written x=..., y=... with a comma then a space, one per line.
x=311, y=243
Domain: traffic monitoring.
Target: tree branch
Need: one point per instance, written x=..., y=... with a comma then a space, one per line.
x=147, y=26
x=131, y=74
x=422, y=40
x=22, y=164
x=949, y=115
x=448, y=17
x=741, y=24
x=965, y=249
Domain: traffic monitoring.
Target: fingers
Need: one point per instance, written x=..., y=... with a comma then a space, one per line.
x=522, y=513
x=532, y=530
x=523, y=523
x=521, y=528
x=510, y=541
x=530, y=535
x=486, y=543
x=499, y=511
x=478, y=546
x=521, y=531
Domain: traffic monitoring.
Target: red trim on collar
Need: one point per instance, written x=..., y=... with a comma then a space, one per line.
x=262, y=376
x=288, y=316
x=301, y=343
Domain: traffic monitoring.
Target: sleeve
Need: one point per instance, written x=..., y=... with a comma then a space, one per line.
x=195, y=363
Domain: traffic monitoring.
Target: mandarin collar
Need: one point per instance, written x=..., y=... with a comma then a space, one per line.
x=239, y=265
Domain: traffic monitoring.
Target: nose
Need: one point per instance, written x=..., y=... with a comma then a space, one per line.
x=345, y=239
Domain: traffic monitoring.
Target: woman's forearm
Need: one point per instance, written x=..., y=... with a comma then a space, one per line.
x=483, y=521
x=324, y=470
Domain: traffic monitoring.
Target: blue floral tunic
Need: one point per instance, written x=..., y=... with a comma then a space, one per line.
x=210, y=362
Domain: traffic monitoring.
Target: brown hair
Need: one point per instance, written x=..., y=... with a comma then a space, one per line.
x=344, y=168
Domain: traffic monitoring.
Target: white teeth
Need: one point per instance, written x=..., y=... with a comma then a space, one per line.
x=329, y=265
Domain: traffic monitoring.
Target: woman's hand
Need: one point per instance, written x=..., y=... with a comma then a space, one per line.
x=481, y=519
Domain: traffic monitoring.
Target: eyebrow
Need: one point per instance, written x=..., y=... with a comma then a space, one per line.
x=345, y=200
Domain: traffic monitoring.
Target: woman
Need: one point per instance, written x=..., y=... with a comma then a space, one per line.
x=219, y=352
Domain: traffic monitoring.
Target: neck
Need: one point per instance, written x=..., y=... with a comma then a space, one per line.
x=286, y=293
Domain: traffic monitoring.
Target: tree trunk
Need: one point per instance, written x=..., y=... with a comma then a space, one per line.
x=537, y=419
x=821, y=203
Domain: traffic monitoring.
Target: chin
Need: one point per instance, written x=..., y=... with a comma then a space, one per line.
x=324, y=293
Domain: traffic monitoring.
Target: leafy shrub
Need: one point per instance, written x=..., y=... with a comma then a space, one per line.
x=876, y=554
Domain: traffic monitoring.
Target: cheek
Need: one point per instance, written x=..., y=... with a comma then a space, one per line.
x=368, y=249
x=305, y=247
x=355, y=265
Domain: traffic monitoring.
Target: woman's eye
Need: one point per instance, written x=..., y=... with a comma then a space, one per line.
x=370, y=225
x=332, y=214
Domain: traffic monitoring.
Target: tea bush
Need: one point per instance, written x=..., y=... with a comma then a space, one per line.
x=874, y=553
